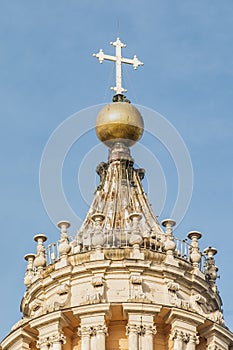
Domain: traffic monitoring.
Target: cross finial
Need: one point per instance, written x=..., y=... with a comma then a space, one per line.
x=119, y=60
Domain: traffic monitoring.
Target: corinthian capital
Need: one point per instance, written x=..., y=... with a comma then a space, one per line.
x=57, y=338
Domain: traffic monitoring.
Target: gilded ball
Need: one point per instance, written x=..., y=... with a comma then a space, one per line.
x=119, y=122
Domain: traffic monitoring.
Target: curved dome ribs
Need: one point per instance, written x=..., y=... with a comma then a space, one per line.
x=119, y=194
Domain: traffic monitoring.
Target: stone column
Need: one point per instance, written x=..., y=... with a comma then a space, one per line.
x=56, y=341
x=132, y=332
x=177, y=337
x=43, y=343
x=193, y=341
x=84, y=333
x=50, y=327
x=147, y=337
x=101, y=332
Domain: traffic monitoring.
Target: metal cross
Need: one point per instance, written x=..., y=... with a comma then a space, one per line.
x=119, y=60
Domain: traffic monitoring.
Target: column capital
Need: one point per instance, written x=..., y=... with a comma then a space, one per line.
x=42, y=341
x=57, y=337
x=149, y=329
x=101, y=329
x=131, y=328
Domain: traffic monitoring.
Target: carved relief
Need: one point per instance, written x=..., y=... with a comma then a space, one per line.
x=136, y=288
x=98, y=291
x=60, y=299
x=175, y=297
x=196, y=303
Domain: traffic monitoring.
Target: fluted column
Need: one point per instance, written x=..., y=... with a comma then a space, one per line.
x=132, y=332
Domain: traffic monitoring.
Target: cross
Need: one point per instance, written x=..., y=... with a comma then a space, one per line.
x=119, y=60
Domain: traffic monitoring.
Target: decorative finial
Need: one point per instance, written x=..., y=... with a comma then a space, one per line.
x=119, y=60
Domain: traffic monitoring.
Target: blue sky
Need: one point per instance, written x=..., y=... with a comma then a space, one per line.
x=47, y=73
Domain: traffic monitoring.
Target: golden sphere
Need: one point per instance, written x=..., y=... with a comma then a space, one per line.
x=119, y=122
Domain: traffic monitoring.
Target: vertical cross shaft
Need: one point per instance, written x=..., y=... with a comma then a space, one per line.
x=119, y=60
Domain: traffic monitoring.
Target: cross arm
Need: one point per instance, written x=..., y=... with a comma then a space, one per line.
x=101, y=56
x=134, y=62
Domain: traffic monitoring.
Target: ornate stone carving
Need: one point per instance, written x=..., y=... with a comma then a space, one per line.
x=30, y=269
x=172, y=286
x=194, y=253
x=136, y=288
x=197, y=302
x=35, y=307
x=58, y=300
x=180, y=335
x=136, y=279
x=64, y=245
x=210, y=267
x=97, y=295
x=213, y=346
x=91, y=331
x=146, y=329
x=57, y=338
x=97, y=281
x=101, y=170
x=131, y=328
x=40, y=259
x=43, y=341
x=175, y=298
x=102, y=329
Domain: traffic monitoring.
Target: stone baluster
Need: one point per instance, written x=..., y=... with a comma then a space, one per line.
x=169, y=245
x=85, y=334
x=195, y=255
x=56, y=341
x=147, y=337
x=30, y=269
x=132, y=333
x=40, y=258
x=64, y=246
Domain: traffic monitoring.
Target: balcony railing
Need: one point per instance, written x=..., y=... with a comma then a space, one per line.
x=120, y=239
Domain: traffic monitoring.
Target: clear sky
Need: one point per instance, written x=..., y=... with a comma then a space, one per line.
x=47, y=73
